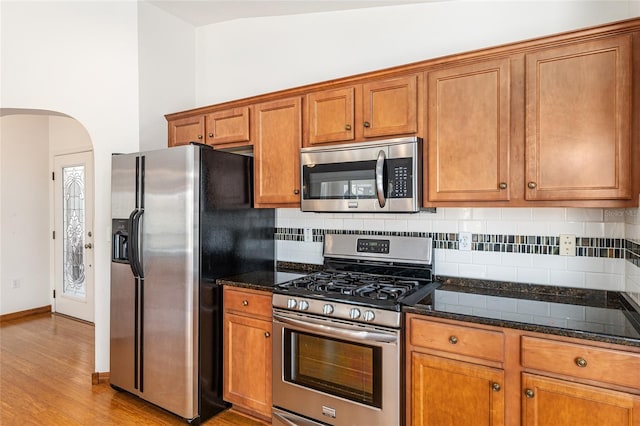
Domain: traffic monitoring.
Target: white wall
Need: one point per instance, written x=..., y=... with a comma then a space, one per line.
x=81, y=59
x=248, y=57
x=24, y=217
x=167, y=72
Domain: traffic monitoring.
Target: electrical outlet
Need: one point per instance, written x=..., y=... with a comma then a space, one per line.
x=567, y=245
x=308, y=235
x=464, y=241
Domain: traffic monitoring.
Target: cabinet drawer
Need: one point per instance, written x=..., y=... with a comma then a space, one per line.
x=460, y=340
x=247, y=302
x=582, y=361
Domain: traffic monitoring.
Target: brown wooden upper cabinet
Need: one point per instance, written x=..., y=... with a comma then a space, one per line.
x=468, y=124
x=224, y=128
x=370, y=110
x=276, y=151
x=578, y=109
x=185, y=130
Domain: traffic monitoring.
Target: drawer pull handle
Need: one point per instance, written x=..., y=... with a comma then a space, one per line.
x=267, y=334
x=453, y=340
x=496, y=387
x=347, y=127
x=581, y=362
x=245, y=303
x=529, y=393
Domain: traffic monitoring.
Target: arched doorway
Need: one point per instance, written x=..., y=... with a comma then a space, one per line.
x=44, y=258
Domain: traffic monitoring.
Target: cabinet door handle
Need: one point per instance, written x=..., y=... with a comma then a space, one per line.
x=296, y=191
x=503, y=185
x=366, y=124
x=453, y=340
x=210, y=135
x=347, y=127
x=495, y=386
x=532, y=185
x=581, y=362
x=88, y=246
x=245, y=303
x=529, y=393
x=267, y=334
x=199, y=136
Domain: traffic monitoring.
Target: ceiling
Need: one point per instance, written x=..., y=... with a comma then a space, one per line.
x=205, y=12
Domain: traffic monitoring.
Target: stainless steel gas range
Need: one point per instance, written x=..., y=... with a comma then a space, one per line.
x=337, y=348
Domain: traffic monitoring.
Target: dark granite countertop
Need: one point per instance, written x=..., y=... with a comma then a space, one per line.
x=606, y=316
x=266, y=280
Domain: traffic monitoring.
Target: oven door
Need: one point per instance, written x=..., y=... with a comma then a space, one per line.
x=365, y=177
x=335, y=371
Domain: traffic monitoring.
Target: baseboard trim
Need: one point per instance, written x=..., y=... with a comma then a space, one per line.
x=26, y=313
x=98, y=378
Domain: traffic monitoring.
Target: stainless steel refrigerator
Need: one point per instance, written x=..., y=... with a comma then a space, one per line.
x=181, y=218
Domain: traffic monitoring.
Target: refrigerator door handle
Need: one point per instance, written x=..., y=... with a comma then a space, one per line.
x=138, y=258
x=134, y=242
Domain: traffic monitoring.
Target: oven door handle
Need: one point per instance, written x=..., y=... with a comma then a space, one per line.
x=380, y=178
x=311, y=325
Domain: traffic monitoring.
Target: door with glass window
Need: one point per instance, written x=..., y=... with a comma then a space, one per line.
x=73, y=235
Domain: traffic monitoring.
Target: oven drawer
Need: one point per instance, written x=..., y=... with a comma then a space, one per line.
x=582, y=361
x=248, y=302
x=461, y=340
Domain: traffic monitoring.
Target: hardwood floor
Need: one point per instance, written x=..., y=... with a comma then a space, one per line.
x=46, y=362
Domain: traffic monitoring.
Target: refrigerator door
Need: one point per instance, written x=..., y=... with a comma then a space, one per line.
x=123, y=334
x=169, y=260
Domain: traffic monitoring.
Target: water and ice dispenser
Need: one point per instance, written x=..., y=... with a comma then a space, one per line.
x=120, y=240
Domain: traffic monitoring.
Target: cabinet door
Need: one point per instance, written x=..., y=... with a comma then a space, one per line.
x=185, y=130
x=553, y=402
x=578, y=108
x=331, y=116
x=277, y=153
x=468, y=122
x=447, y=392
x=247, y=363
x=390, y=107
x=229, y=126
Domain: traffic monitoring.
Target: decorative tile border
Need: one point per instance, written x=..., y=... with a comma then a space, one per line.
x=616, y=248
x=633, y=252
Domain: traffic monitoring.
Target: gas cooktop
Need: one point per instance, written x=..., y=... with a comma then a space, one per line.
x=374, y=274
x=358, y=288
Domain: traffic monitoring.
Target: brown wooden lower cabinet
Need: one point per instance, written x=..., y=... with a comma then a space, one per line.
x=448, y=392
x=247, y=351
x=553, y=402
x=540, y=380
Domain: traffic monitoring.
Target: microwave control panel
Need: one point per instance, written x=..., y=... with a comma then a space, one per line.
x=401, y=178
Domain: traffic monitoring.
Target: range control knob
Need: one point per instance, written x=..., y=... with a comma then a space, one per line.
x=303, y=305
x=291, y=303
x=369, y=315
x=354, y=313
x=327, y=309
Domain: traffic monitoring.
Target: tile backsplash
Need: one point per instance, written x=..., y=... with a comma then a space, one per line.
x=508, y=244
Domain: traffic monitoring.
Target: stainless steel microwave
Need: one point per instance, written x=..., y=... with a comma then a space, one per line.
x=379, y=176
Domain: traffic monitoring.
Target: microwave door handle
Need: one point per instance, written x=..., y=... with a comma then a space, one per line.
x=311, y=326
x=380, y=178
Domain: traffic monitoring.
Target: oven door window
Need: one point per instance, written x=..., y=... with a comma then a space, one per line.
x=354, y=180
x=335, y=367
